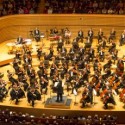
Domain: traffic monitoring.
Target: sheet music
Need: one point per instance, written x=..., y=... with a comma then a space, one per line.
x=75, y=92
x=56, y=83
x=94, y=92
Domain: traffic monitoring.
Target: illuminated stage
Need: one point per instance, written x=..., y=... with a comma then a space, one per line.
x=71, y=104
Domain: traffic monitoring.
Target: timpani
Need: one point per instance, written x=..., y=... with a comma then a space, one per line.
x=11, y=47
x=28, y=43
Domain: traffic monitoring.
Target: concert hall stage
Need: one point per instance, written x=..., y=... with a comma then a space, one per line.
x=71, y=107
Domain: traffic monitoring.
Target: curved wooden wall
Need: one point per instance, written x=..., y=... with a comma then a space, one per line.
x=13, y=26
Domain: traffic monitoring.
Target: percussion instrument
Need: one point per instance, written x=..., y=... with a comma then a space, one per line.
x=28, y=43
x=11, y=47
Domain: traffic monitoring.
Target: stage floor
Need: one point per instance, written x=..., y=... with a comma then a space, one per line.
x=98, y=104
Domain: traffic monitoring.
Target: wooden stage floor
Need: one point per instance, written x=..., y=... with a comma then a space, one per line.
x=39, y=105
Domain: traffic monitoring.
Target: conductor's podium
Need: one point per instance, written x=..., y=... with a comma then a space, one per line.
x=65, y=104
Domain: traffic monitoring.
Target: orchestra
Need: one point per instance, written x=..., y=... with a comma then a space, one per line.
x=72, y=65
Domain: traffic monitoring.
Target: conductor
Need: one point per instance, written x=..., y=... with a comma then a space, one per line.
x=37, y=34
x=59, y=92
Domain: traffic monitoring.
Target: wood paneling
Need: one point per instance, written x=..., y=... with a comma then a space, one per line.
x=15, y=25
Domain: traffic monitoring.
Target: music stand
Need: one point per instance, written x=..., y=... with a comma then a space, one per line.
x=44, y=98
x=94, y=94
x=75, y=94
x=42, y=36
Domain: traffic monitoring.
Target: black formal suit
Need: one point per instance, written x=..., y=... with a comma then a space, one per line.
x=80, y=35
x=59, y=91
x=19, y=40
x=37, y=35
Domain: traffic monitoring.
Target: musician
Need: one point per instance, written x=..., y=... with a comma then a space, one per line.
x=37, y=35
x=114, y=55
x=112, y=35
x=25, y=83
x=76, y=84
x=63, y=51
x=88, y=43
x=59, y=91
x=16, y=64
x=32, y=95
x=90, y=91
x=102, y=54
x=71, y=52
x=18, y=55
x=108, y=64
x=91, y=54
x=32, y=77
x=64, y=70
x=50, y=55
x=122, y=38
x=80, y=35
x=40, y=72
x=19, y=40
x=108, y=98
x=3, y=92
x=39, y=52
x=55, y=31
x=67, y=35
x=90, y=34
x=85, y=97
x=43, y=85
x=100, y=35
x=81, y=51
x=120, y=67
x=68, y=80
x=28, y=59
x=75, y=44
x=10, y=77
x=60, y=43
x=112, y=47
x=53, y=69
x=16, y=93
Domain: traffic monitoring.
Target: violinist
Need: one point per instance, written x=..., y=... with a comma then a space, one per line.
x=53, y=69
x=85, y=97
x=39, y=52
x=64, y=71
x=25, y=83
x=10, y=77
x=43, y=85
x=102, y=54
x=51, y=52
x=112, y=47
x=68, y=81
x=108, y=98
